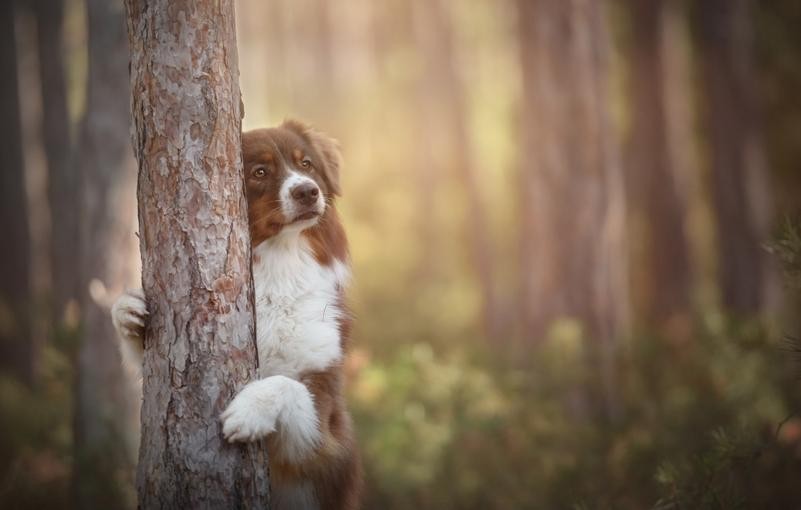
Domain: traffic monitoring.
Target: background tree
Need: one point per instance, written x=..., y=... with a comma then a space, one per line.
x=737, y=173
x=444, y=124
x=199, y=345
x=17, y=352
x=63, y=177
x=656, y=210
x=572, y=204
x=104, y=450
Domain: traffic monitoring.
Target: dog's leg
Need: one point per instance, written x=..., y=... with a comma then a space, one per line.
x=275, y=404
x=129, y=315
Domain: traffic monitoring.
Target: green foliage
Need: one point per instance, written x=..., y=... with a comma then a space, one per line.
x=787, y=249
x=36, y=436
x=737, y=469
x=697, y=427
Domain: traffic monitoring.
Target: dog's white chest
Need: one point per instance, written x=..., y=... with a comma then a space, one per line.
x=297, y=308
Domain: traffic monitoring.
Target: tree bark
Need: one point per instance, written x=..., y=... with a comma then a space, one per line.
x=573, y=254
x=662, y=293
x=735, y=152
x=199, y=343
x=103, y=425
x=17, y=353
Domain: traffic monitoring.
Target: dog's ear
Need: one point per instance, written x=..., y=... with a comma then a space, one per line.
x=326, y=147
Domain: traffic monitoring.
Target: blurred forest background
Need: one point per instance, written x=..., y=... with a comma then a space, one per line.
x=573, y=227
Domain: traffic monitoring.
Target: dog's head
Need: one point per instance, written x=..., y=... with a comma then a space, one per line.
x=291, y=177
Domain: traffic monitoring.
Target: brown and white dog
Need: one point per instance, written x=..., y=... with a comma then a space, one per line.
x=300, y=270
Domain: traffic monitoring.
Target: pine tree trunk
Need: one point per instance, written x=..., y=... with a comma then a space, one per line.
x=61, y=172
x=17, y=353
x=428, y=137
x=434, y=35
x=103, y=424
x=199, y=344
x=662, y=263
x=736, y=160
x=572, y=239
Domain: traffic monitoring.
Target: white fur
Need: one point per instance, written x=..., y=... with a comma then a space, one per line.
x=288, y=206
x=297, y=330
x=128, y=314
x=273, y=404
x=297, y=310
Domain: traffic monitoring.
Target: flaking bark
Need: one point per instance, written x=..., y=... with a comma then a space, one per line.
x=199, y=344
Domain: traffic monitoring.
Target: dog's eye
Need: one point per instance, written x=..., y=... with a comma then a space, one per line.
x=259, y=171
x=306, y=163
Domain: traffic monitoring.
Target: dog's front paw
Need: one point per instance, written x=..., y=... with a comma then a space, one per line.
x=129, y=315
x=253, y=413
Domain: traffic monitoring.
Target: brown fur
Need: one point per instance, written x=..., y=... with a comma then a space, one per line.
x=335, y=469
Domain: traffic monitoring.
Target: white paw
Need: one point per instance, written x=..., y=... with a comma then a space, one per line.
x=129, y=313
x=253, y=412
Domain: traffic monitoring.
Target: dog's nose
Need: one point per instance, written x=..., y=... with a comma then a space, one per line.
x=305, y=193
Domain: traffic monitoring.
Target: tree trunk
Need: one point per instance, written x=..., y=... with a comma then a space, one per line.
x=62, y=173
x=662, y=293
x=572, y=202
x=735, y=153
x=262, y=53
x=17, y=355
x=428, y=161
x=325, y=90
x=199, y=343
x=103, y=418
x=434, y=36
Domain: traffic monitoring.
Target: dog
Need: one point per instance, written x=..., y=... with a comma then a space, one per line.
x=300, y=271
